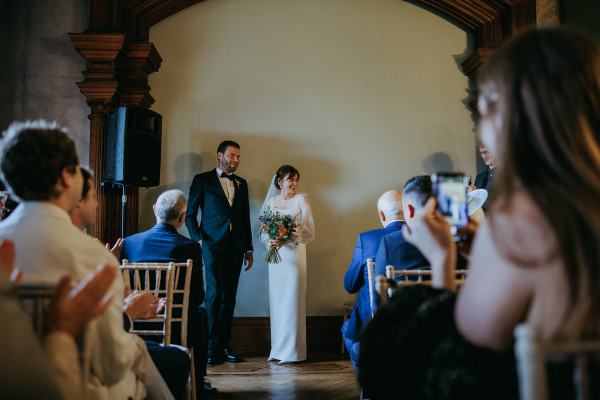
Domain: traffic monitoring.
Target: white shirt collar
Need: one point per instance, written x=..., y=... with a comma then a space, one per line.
x=219, y=172
x=43, y=208
x=392, y=221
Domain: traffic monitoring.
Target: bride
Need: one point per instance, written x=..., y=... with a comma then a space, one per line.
x=287, y=279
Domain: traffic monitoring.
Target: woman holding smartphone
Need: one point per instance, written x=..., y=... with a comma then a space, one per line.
x=536, y=258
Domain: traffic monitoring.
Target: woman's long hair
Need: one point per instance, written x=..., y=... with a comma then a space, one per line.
x=548, y=87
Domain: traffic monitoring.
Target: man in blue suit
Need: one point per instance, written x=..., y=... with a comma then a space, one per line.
x=226, y=236
x=163, y=243
x=393, y=248
x=389, y=207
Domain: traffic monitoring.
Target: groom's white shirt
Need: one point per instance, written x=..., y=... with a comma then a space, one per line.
x=49, y=246
x=227, y=185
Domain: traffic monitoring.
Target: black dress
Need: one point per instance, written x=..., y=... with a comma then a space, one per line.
x=412, y=350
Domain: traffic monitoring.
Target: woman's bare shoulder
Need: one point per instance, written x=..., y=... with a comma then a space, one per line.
x=521, y=231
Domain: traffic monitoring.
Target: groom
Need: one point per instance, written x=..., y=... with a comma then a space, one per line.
x=224, y=231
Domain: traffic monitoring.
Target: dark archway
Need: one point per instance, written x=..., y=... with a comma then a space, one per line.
x=119, y=59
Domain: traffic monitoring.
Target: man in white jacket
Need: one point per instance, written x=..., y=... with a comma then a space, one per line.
x=40, y=167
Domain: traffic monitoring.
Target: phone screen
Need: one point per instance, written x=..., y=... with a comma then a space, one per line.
x=451, y=194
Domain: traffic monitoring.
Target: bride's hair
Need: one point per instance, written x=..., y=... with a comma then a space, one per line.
x=283, y=172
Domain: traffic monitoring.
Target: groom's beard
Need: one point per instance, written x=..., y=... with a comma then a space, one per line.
x=227, y=168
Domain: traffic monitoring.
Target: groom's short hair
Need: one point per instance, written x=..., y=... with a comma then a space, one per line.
x=225, y=144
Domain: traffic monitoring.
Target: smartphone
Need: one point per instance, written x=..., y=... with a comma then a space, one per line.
x=451, y=194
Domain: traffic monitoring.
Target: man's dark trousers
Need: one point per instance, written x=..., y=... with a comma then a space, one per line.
x=222, y=268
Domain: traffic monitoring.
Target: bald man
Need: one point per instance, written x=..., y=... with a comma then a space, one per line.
x=389, y=208
x=393, y=249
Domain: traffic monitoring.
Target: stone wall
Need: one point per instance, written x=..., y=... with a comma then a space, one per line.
x=39, y=67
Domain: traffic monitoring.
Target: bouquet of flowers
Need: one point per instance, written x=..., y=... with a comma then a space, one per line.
x=280, y=227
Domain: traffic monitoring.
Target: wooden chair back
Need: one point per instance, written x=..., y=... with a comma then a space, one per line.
x=532, y=354
x=385, y=286
x=35, y=300
x=169, y=281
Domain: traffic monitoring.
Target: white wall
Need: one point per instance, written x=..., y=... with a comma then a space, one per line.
x=358, y=95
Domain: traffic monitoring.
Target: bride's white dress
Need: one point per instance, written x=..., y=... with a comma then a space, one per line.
x=287, y=283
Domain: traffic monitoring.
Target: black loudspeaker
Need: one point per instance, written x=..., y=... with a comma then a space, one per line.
x=133, y=139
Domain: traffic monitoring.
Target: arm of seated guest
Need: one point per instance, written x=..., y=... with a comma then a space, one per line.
x=499, y=292
x=430, y=233
x=68, y=313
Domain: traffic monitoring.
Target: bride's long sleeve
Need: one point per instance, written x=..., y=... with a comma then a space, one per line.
x=263, y=237
x=307, y=223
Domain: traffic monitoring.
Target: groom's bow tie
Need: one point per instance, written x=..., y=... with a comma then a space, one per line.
x=230, y=177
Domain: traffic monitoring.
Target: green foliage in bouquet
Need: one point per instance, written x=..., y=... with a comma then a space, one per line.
x=280, y=227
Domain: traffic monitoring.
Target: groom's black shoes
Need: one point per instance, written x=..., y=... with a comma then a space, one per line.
x=214, y=358
x=231, y=357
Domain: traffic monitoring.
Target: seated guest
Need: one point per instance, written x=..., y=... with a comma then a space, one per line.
x=535, y=258
x=389, y=207
x=40, y=167
x=485, y=178
x=51, y=369
x=163, y=243
x=172, y=363
x=393, y=248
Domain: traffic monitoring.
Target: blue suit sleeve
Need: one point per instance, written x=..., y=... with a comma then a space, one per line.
x=381, y=260
x=195, y=201
x=354, y=278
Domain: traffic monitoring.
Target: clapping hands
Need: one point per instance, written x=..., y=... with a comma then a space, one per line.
x=116, y=249
x=143, y=305
x=72, y=309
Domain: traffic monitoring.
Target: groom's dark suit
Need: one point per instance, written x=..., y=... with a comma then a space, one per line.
x=226, y=235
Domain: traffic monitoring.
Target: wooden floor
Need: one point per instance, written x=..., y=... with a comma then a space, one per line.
x=258, y=379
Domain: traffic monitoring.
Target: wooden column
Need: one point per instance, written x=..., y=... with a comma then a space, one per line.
x=100, y=87
x=470, y=67
x=116, y=75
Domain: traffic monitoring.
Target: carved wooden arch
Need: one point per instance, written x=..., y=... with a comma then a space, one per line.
x=119, y=59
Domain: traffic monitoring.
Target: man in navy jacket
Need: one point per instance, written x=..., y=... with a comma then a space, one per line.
x=393, y=248
x=389, y=207
x=163, y=243
x=226, y=236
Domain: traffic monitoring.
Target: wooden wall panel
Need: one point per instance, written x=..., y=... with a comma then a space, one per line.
x=251, y=336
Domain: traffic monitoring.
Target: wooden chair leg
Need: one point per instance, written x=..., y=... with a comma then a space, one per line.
x=192, y=381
